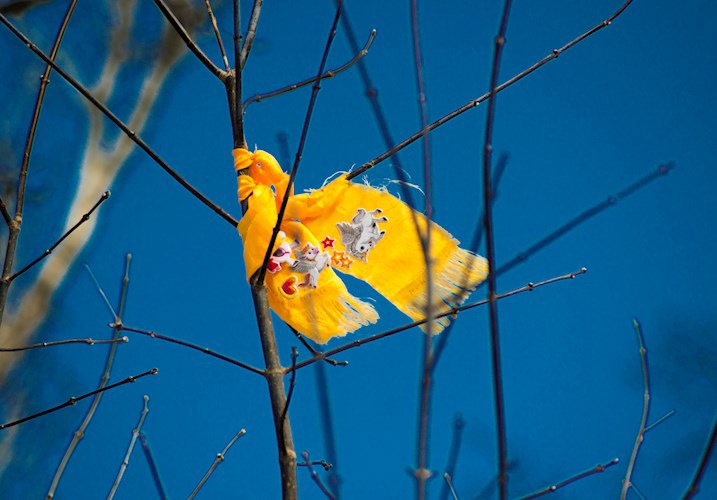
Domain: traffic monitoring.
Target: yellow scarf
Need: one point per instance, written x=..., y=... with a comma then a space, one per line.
x=353, y=228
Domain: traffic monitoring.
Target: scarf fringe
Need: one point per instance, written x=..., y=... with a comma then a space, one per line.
x=458, y=276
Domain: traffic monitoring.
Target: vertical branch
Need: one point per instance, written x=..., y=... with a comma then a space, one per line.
x=695, y=483
x=153, y=466
x=130, y=448
x=327, y=427
x=274, y=372
x=217, y=35
x=490, y=254
x=15, y=224
x=626, y=483
x=422, y=472
x=80, y=432
x=250, y=32
x=304, y=133
x=274, y=375
x=458, y=426
x=234, y=85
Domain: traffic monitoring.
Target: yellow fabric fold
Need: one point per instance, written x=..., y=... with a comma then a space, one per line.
x=302, y=287
x=356, y=229
x=372, y=236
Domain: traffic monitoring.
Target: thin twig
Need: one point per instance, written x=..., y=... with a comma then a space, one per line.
x=659, y=421
x=422, y=472
x=120, y=340
x=73, y=400
x=571, y=479
x=323, y=463
x=693, y=488
x=205, y=350
x=120, y=124
x=451, y=312
x=327, y=427
x=315, y=476
x=130, y=448
x=102, y=292
x=217, y=460
x=124, y=287
x=47, y=252
x=250, y=32
x=5, y=213
x=15, y=223
x=490, y=255
x=104, y=379
x=458, y=425
x=152, y=466
x=216, y=33
x=472, y=104
x=475, y=243
x=588, y=214
x=449, y=485
x=236, y=83
x=313, y=351
x=329, y=74
x=645, y=409
x=187, y=38
x=259, y=276
x=292, y=382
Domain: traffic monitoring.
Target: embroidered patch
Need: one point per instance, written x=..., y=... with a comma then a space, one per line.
x=328, y=242
x=341, y=260
x=361, y=234
x=310, y=260
x=281, y=255
x=288, y=288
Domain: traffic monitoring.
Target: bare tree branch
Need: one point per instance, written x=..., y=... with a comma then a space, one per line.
x=120, y=340
x=104, y=379
x=472, y=104
x=217, y=460
x=292, y=382
x=490, y=256
x=259, y=276
x=152, y=466
x=572, y=479
x=329, y=74
x=187, y=38
x=422, y=472
x=626, y=483
x=449, y=485
x=73, y=400
x=693, y=488
x=121, y=125
x=15, y=223
x=315, y=476
x=458, y=425
x=583, y=217
x=204, y=350
x=133, y=440
x=250, y=32
x=47, y=252
x=452, y=312
x=217, y=35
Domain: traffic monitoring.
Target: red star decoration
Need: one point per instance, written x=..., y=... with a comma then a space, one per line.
x=328, y=242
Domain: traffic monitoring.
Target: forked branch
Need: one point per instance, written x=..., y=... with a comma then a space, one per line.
x=329, y=74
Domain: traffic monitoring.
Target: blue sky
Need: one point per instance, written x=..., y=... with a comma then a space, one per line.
x=604, y=114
